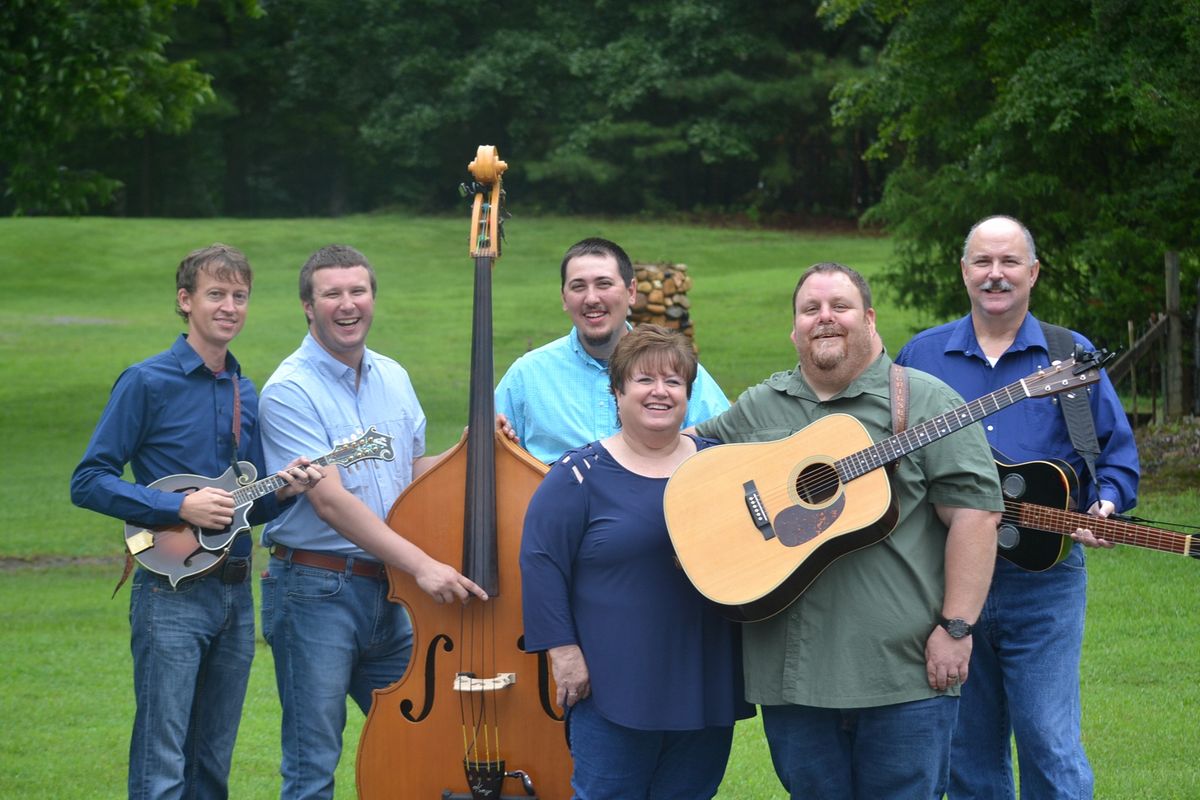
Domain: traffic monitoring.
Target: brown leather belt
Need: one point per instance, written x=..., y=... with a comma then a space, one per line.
x=307, y=558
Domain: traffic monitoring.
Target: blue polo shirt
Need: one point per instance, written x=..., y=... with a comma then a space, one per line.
x=1032, y=429
x=557, y=398
x=169, y=415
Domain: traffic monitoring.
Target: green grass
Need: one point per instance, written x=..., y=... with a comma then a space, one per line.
x=81, y=299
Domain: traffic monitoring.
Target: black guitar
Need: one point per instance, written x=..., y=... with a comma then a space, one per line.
x=184, y=550
x=1035, y=530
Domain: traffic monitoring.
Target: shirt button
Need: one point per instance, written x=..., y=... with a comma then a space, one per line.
x=990, y=428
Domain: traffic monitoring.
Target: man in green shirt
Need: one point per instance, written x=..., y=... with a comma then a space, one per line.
x=859, y=678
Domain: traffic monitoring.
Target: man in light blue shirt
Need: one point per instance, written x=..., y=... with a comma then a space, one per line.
x=325, y=610
x=557, y=396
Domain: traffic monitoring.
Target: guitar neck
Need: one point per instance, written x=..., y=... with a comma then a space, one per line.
x=250, y=493
x=928, y=432
x=1052, y=520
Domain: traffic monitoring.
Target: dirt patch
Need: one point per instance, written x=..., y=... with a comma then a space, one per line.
x=1170, y=455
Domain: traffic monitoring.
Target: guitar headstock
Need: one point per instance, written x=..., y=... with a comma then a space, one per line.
x=487, y=207
x=1081, y=369
x=372, y=444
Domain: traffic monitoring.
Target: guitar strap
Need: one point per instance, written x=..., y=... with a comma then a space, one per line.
x=899, y=401
x=1076, y=410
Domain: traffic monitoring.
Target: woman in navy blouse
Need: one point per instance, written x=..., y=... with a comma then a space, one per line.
x=648, y=672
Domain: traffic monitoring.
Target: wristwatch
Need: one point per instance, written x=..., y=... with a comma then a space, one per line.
x=958, y=628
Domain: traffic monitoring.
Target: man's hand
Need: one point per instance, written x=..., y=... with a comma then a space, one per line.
x=445, y=584
x=209, y=507
x=300, y=476
x=946, y=659
x=1099, y=509
x=505, y=427
x=570, y=674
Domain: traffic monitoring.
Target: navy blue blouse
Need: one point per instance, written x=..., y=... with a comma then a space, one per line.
x=598, y=570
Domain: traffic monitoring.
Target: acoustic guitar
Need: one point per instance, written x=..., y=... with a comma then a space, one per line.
x=185, y=550
x=754, y=524
x=1035, y=531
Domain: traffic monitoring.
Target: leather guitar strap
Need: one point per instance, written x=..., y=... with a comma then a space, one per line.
x=899, y=400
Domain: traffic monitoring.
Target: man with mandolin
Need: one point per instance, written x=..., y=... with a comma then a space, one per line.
x=1028, y=641
x=859, y=677
x=187, y=410
x=326, y=614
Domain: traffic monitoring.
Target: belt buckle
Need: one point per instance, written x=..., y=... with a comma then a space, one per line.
x=235, y=570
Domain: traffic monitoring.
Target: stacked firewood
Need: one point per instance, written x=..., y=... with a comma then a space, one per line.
x=662, y=297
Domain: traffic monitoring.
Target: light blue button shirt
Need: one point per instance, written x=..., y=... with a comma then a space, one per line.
x=557, y=398
x=309, y=406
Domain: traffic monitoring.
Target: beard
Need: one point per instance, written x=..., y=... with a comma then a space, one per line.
x=852, y=350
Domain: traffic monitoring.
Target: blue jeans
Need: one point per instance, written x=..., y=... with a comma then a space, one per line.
x=333, y=635
x=613, y=762
x=900, y=751
x=1024, y=680
x=192, y=647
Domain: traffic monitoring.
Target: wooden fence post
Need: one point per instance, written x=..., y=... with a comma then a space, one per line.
x=1173, y=407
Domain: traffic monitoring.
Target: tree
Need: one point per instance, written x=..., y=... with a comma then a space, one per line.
x=1077, y=116
x=74, y=76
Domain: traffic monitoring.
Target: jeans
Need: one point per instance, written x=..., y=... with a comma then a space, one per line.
x=192, y=647
x=899, y=752
x=612, y=762
x=333, y=635
x=1024, y=681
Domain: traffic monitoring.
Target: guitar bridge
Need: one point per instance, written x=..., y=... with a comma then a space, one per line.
x=758, y=512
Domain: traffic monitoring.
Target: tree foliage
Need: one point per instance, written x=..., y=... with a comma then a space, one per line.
x=1076, y=116
x=74, y=75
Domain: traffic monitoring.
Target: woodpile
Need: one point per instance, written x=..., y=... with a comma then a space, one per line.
x=662, y=297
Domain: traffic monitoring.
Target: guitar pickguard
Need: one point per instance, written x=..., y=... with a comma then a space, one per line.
x=796, y=525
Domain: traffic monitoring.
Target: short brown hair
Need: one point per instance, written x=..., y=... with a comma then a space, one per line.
x=655, y=344
x=333, y=255
x=220, y=260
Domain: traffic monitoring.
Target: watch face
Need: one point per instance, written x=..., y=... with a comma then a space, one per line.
x=957, y=628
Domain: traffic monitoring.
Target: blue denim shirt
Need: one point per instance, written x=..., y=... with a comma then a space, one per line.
x=169, y=415
x=1032, y=429
x=310, y=405
x=557, y=398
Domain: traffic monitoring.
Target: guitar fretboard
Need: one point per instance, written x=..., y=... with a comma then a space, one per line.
x=1053, y=520
x=928, y=432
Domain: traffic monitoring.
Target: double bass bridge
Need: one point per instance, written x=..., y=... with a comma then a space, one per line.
x=469, y=682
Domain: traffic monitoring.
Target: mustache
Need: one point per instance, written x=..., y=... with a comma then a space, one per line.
x=1000, y=284
x=826, y=330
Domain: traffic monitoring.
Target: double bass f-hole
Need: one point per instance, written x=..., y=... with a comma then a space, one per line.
x=473, y=717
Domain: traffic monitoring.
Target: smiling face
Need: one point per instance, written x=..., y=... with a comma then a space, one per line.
x=341, y=310
x=215, y=310
x=999, y=270
x=833, y=333
x=654, y=397
x=597, y=301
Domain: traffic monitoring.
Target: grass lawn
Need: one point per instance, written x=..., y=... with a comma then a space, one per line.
x=81, y=299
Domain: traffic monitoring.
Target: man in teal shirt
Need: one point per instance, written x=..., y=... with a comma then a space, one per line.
x=859, y=678
x=557, y=397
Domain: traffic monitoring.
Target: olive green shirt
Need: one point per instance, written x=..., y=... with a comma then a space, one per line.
x=856, y=637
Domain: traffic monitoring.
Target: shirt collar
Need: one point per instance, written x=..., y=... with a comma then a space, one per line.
x=580, y=352
x=869, y=380
x=190, y=361
x=962, y=338
x=325, y=361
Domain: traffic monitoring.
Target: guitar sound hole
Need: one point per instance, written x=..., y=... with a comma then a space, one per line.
x=816, y=483
x=1013, y=486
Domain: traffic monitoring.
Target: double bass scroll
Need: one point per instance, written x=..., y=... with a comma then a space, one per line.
x=473, y=716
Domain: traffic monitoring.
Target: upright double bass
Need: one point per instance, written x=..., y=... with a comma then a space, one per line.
x=473, y=716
